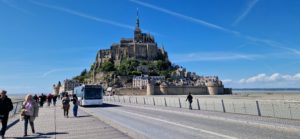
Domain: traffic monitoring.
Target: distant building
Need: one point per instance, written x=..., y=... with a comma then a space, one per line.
x=66, y=86
x=142, y=81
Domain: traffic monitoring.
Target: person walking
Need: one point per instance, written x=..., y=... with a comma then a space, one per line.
x=190, y=99
x=66, y=105
x=49, y=99
x=75, y=105
x=54, y=100
x=30, y=112
x=5, y=107
x=42, y=99
x=36, y=98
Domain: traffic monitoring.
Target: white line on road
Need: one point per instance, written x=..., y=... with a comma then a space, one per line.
x=181, y=125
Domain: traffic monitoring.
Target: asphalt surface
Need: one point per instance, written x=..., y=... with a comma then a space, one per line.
x=158, y=123
x=52, y=124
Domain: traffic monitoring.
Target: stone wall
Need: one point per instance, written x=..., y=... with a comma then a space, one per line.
x=130, y=91
x=180, y=90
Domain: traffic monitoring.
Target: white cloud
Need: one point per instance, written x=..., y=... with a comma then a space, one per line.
x=212, y=56
x=275, y=77
x=245, y=12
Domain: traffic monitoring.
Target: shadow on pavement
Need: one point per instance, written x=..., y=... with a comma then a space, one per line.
x=104, y=105
x=38, y=135
x=82, y=116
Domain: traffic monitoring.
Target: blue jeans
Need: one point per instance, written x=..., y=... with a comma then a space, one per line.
x=75, y=109
x=26, y=120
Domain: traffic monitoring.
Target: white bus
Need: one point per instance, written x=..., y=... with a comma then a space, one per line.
x=89, y=94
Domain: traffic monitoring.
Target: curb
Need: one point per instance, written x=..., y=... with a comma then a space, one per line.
x=128, y=131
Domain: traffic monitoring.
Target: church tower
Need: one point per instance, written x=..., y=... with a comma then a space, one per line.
x=137, y=30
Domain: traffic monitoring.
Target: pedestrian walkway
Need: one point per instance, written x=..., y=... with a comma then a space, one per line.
x=52, y=124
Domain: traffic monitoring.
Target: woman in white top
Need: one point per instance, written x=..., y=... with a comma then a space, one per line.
x=30, y=109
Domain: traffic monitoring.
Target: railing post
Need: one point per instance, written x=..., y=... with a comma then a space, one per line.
x=258, y=109
x=223, y=105
x=179, y=102
x=165, y=101
x=273, y=110
x=153, y=101
x=291, y=114
x=198, y=103
x=16, y=108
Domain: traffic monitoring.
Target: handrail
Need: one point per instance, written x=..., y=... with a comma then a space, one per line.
x=16, y=108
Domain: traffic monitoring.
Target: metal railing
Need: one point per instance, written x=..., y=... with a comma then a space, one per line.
x=17, y=107
x=270, y=108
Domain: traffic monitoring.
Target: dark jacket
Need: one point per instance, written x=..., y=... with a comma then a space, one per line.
x=5, y=106
x=190, y=98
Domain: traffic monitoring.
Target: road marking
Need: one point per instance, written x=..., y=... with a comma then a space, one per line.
x=278, y=126
x=181, y=125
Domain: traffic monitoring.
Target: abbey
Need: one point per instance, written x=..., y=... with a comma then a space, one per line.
x=141, y=47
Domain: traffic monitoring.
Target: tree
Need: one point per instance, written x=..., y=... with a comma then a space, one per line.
x=107, y=66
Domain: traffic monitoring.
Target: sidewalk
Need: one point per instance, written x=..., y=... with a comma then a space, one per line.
x=52, y=124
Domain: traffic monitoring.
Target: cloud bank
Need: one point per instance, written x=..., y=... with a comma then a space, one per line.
x=262, y=80
x=275, y=77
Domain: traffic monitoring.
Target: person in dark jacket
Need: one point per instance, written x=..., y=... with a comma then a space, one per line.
x=54, y=99
x=36, y=98
x=190, y=99
x=5, y=107
x=75, y=105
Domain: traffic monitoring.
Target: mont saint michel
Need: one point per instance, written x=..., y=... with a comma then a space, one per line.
x=138, y=66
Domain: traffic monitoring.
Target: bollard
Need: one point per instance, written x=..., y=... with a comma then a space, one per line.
x=198, y=104
x=119, y=98
x=179, y=102
x=136, y=100
x=165, y=102
x=153, y=101
x=144, y=101
x=223, y=105
x=129, y=100
x=258, y=109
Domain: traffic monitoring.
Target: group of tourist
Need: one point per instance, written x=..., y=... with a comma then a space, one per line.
x=30, y=109
x=43, y=98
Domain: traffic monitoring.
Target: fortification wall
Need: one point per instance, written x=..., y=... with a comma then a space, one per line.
x=131, y=91
x=180, y=90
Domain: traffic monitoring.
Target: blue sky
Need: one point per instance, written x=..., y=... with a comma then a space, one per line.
x=247, y=43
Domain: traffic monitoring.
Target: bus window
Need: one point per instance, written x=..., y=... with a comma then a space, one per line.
x=93, y=93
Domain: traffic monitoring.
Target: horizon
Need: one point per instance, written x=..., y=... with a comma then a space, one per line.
x=247, y=44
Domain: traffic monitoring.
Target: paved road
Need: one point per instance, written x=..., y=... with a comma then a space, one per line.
x=52, y=124
x=176, y=124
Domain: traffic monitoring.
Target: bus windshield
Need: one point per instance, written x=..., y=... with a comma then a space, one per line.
x=93, y=93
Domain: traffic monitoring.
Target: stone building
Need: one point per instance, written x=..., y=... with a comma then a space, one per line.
x=142, y=81
x=141, y=47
